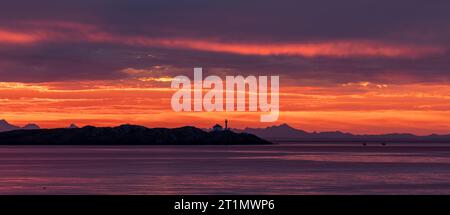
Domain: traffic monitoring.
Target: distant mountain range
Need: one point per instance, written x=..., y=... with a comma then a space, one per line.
x=285, y=132
x=127, y=135
x=280, y=133
x=5, y=126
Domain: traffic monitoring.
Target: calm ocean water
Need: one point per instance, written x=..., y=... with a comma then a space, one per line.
x=275, y=169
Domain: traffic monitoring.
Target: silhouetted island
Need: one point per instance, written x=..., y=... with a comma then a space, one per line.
x=286, y=133
x=127, y=135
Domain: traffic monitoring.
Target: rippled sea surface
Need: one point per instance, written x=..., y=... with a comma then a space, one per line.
x=275, y=169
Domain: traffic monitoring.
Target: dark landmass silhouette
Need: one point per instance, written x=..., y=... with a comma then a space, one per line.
x=127, y=135
x=138, y=135
x=6, y=126
x=284, y=132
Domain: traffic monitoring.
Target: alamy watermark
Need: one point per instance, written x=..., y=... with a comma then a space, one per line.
x=235, y=94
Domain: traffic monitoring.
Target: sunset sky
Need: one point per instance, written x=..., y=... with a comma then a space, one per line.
x=357, y=66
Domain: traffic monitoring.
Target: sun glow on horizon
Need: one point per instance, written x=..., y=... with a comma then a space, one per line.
x=358, y=108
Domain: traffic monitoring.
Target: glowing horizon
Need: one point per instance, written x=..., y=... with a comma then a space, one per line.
x=307, y=107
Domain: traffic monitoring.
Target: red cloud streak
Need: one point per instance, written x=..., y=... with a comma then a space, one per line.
x=64, y=32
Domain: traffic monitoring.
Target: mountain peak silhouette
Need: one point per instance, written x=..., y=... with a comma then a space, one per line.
x=274, y=132
x=31, y=126
x=283, y=126
x=5, y=126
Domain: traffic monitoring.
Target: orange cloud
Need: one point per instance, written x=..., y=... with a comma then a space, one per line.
x=313, y=49
x=17, y=37
x=358, y=108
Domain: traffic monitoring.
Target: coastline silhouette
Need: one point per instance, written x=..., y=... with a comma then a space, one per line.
x=126, y=135
x=219, y=135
